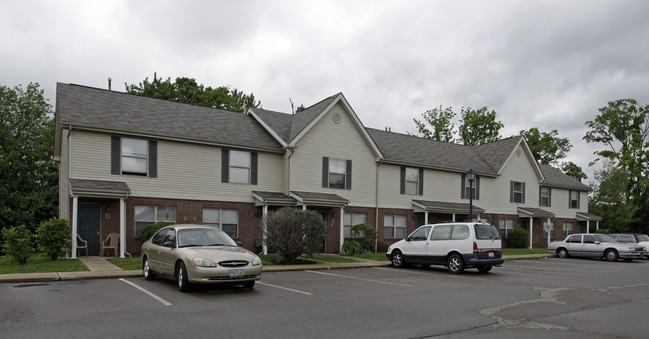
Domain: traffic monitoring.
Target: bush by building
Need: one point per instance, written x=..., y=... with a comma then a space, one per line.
x=293, y=232
x=18, y=243
x=518, y=238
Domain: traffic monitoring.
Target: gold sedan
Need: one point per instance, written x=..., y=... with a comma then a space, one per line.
x=197, y=254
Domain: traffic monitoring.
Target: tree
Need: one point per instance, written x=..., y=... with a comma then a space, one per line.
x=573, y=170
x=479, y=126
x=547, y=148
x=188, y=91
x=440, y=120
x=623, y=128
x=611, y=199
x=28, y=176
x=293, y=232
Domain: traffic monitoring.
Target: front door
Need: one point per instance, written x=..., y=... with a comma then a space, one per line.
x=324, y=238
x=88, y=226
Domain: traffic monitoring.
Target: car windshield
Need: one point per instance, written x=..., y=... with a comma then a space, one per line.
x=486, y=231
x=643, y=237
x=604, y=238
x=203, y=237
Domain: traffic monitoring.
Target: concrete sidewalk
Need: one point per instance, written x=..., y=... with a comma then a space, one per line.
x=100, y=268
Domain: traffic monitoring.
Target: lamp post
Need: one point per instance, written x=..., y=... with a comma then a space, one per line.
x=470, y=175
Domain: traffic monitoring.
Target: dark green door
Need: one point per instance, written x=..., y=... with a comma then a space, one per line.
x=88, y=226
x=324, y=238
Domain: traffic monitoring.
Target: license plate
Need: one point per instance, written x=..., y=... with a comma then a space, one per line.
x=491, y=254
x=236, y=273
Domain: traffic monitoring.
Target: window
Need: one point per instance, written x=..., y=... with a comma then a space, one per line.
x=574, y=239
x=589, y=239
x=466, y=188
x=627, y=238
x=442, y=232
x=239, y=167
x=517, y=192
x=574, y=199
x=506, y=225
x=567, y=229
x=226, y=220
x=460, y=232
x=336, y=173
x=544, y=196
x=133, y=156
x=420, y=234
x=146, y=215
x=351, y=219
x=394, y=226
x=412, y=180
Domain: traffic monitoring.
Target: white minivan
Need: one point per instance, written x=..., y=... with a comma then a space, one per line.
x=455, y=245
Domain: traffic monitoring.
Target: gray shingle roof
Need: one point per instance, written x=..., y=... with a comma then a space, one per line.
x=289, y=126
x=88, y=107
x=554, y=177
x=424, y=152
x=99, y=186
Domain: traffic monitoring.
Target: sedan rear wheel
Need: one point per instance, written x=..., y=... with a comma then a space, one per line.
x=146, y=270
x=181, y=276
x=611, y=255
x=562, y=253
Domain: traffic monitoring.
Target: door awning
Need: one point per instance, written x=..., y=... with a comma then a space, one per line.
x=585, y=216
x=99, y=188
x=444, y=207
x=527, y=212
x=319, y=199
x=272, y=198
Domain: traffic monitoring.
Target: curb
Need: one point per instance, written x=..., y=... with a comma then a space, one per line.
x=319, y=265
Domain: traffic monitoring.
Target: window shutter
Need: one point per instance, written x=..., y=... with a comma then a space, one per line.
x=549, y=196
x=540, y=196
x=511, y=191
x=403, y=180
x=253, y=168
x=523, y=198
x=153, y=158
x=463, y=187
x=421, y=181
x=348, y=174
x=325, y=172
x=225, y=165
x=115, y=155
x=578, y=199
x=477, y=188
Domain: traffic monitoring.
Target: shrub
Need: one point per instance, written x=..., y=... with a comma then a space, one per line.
x=367, y=235
x=518, y=238
x=293, y=232
x=351, y=247
x=54, y=237
x=149, y=230
x=602, y=230
x=18, y=243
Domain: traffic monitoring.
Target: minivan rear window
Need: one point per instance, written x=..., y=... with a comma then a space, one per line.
x=486, y=231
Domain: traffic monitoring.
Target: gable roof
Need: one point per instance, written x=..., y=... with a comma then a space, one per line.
x=555, y=178
x=118, y=112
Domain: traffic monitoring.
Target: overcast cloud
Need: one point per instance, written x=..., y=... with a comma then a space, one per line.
x=545, y=64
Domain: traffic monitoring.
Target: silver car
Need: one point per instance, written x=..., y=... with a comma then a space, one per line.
x=198, y=254
x=596, y=246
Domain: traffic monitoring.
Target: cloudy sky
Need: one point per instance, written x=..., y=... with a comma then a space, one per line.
x=545, y=64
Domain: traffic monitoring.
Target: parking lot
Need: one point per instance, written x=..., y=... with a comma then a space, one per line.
x=531, y=298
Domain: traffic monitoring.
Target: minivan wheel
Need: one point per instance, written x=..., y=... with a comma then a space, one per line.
x=484, y=268
x=455, y=264
x=611, y=255
x=397, y=259
x=181, y=275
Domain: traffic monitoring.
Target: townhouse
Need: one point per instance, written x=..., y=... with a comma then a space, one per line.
x=127, y=161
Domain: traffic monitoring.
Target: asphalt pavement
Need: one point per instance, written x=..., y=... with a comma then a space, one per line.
x=100, y=268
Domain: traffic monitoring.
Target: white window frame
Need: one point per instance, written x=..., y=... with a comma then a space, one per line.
x=351, y=219
x=506, y=225
x=520, y=192
x=574, y=203
x=156, y=218
x=332, y=171
x=390, y=222
x=236, y=165
x=220, y=222
x=545, y=194
x=129, y=154
x=412, y=172
x=568, y=229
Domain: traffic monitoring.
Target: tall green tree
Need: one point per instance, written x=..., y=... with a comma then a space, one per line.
x=188, y=91
x=28, y=176
x=441, y=124
x=623, y=128
x=479, y=126
x=610, y=199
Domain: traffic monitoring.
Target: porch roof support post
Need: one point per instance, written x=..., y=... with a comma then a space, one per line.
x=342, y=227
x=597, y=225
x=75, y=215
x=425, y=218
x=264, y=246
x=453, y=217
x=587, y=226
x=531, y=231
x=122, y=227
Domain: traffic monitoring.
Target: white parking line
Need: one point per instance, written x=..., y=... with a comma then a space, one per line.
x=284, y=288
x=354, y=278
x=147, y=292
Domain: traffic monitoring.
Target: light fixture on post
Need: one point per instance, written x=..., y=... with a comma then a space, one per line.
x=470, y=175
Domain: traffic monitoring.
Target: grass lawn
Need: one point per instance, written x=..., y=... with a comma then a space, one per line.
x=133, y=263
x=519, y=251
x=38, y=263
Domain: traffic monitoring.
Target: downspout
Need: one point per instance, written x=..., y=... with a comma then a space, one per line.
x=376, y=200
